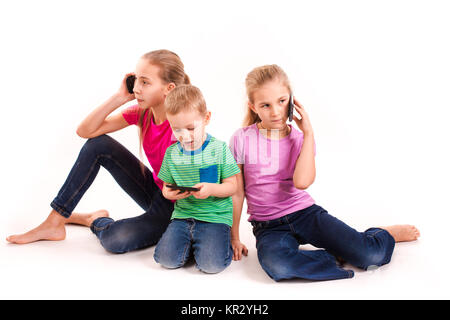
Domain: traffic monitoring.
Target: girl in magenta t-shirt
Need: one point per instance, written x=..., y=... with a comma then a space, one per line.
x=157, y=73
x=277, y=165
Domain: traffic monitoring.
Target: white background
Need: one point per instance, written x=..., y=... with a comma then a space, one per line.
x=373, y=75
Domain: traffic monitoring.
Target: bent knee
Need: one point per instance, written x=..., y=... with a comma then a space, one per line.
x=97, y=143
x=118, y=242
x=274, y=265
x=372, y=260
x=277, y=270
x=212, y=267
x=167, y=261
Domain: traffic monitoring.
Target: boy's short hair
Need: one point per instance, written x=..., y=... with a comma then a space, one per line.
x=185, y=97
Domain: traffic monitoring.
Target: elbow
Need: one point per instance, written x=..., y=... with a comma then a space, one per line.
x=81, y=133
x=233, y=189
x=303, y=185
x=238, y=193
x=302, y=182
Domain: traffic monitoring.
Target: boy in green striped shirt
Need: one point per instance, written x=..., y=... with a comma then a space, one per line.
x=201, y=220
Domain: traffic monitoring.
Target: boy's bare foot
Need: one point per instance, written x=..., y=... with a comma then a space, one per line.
x=403, y=232
x=51, y=229
x=86, y=219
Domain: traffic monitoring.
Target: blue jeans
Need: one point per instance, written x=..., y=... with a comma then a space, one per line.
x=278, y=240
x=127, y=234
x=210, y=244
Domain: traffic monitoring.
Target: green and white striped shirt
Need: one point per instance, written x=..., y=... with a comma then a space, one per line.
x=211, y=163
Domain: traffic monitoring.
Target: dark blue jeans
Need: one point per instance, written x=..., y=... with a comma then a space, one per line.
x=209, y=244
x=126, y=234
x=278, y=240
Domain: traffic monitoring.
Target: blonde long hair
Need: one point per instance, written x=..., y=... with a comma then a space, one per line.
x=171, y=71
x=255, y=80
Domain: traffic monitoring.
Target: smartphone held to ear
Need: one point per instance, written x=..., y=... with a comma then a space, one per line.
x=130, y=83
x=291, y=107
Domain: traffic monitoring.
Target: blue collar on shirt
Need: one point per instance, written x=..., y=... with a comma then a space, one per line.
x=197, y=151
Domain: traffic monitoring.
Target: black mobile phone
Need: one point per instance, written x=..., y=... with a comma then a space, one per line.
x=291, y=107
x=130, y=83
x=180, y=188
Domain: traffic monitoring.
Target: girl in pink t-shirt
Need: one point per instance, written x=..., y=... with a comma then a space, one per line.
x=277, y=164
x=157, y=72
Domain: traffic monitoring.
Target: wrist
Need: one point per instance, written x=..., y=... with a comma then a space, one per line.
x=308, y=135
x=118, y=99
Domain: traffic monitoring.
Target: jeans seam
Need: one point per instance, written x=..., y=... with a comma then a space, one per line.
x=84, y=182
x=372, y=235
x=187, y=246
x=229, y=243
x=289, y=224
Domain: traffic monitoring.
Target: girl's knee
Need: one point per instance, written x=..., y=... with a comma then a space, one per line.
x=97, y=143
x=119, y=243
x=372, y=260
x=274, y=265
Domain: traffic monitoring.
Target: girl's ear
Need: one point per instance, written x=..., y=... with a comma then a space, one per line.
x=252, y=107
x=169, y=87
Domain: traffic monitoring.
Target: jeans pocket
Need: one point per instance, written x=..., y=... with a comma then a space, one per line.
x=256, y=228
x=209, y=174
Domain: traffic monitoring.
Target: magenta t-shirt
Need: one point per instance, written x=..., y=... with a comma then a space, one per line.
x=156, y=140
x=269, y=166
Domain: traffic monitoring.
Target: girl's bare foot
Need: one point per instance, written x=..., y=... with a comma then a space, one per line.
x=86, y=219
x=51, y=229
x=403, y=232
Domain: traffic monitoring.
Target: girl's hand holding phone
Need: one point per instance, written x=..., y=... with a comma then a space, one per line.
x=123, y=90
x=303, y=123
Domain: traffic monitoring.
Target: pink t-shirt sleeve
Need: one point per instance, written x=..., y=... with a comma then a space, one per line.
x=131, y=114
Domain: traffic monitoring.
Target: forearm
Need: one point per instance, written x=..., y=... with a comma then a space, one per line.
x=305, y=167
x=165, y=193
x=238, y=201
x=224, y=189
x=95, y=119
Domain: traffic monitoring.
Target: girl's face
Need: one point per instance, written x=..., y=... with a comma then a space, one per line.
x=271, y=104
x=150, y=91
x=189, y=128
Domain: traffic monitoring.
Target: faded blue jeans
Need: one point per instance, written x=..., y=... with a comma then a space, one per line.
x=127, y=234
x=278, y=240
x=209, y=244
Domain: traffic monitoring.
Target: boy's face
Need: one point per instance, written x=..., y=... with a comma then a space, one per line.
x=271, y=104
x=189, y=128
